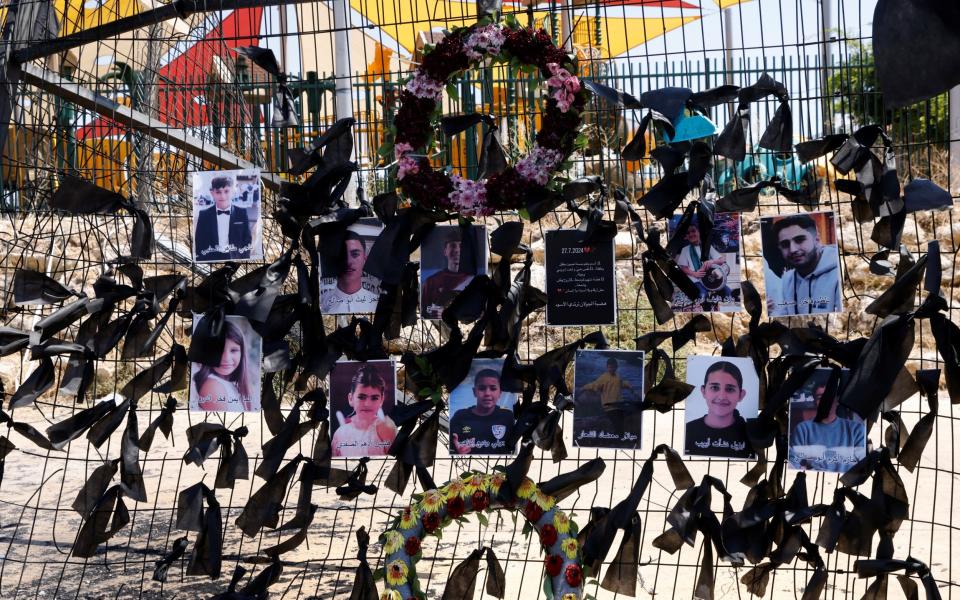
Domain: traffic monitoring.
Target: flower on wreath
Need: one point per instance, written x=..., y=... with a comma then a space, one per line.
x=469, y=197
x=401, y=148
x=455, y=489
x=413, y=119
x=475, y=482
x=432, y=501
x=569, y=546
x=559, y=129
x=456, y=507
x=412, y=545
x=538, y=165
x=408, y=518
x=447, y=57
x=532, y=512
x=573, y=575
x=405, y=163
x=486, y=40
x=431, y=521
x=544, y=501
x=392, y=542
x=564, y=86
x=397, y=572
x=510, y=190
x=480, y=500
x=497, y=478
x=526, y=489
x=391, y=595
x=561, y=521
x=534, y=47
x=548, y=535
x=553, y=564
x=427, y=186
x=422, y=85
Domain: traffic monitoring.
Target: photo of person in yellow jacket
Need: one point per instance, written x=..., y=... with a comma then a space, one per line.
x=607, y=407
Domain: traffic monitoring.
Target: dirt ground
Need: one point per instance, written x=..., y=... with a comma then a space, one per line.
x=37, y=526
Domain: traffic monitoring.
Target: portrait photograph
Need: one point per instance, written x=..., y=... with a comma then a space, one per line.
x=714, y=271
x=362, y=398
x=450, y=257
x=234, y=384
x=801, y=264
x=481, y=414
x=726, y=392
x=607, y=395
x=227, y=223
x=836, y=442
x=344, y=287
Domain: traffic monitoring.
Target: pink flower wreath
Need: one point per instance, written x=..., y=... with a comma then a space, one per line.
x=420, y=110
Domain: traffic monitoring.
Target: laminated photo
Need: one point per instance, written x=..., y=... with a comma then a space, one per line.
x=834, y=443
x=481, y=413
x=726, y=392
x=450, y=257
x=607, y=395
x=715, y=271
x=362, y=398
x=227, y=223
x=233, y=385
x=344, y=286
x=802, y=264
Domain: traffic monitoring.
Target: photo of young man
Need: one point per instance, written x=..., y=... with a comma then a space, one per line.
x=344, y=287
x=726, y=393
x=608, y=392
x=450, y=257
x=482, y=414
x=802, y=250
x=833, y=444
x=226, y=216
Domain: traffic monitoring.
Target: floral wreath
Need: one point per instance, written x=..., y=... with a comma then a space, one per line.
x=420, y=108
x=479, y=492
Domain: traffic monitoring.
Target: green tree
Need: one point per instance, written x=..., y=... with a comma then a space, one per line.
x=855, y=92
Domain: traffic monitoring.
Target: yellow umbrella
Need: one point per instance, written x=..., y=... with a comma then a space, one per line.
x=77, y=15
x=403, y=19
x=97, y=58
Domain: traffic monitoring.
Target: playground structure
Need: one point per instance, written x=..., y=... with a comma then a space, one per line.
x=185, y=73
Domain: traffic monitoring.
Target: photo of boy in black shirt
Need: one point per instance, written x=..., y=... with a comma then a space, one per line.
x=485, y=427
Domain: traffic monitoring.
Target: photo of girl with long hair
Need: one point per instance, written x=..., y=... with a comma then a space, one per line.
x=234, y=384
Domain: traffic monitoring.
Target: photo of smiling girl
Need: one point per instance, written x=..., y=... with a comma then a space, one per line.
x=726, y=393
x=234, y=384
x=362, y=398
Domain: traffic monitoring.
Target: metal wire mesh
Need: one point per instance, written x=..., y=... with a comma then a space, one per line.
x=184, y=73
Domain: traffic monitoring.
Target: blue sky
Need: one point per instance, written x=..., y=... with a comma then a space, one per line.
x=765, y=27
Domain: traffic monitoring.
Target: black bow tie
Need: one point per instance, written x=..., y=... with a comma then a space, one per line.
x=223, y=212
